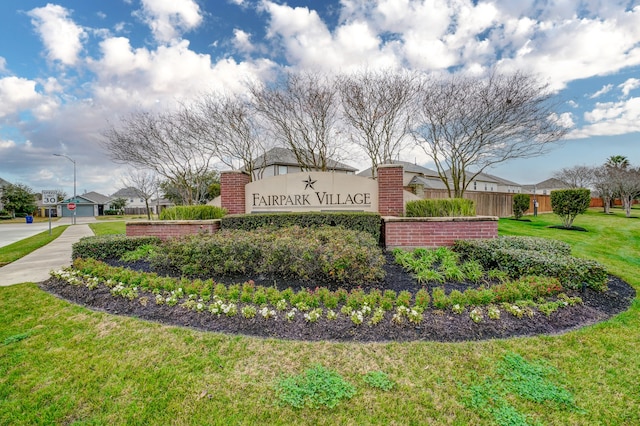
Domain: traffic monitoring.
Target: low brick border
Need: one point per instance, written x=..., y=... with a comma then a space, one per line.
x=412, y=232
x=171, y=228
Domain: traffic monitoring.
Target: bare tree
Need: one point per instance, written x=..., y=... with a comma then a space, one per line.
x=301, y=113
x=164, y=144
x=145, y=184
x=576, y=176
x=229, y=126
x=378, y=108
x=626, y=185
x=468, y=123
x=604, y=186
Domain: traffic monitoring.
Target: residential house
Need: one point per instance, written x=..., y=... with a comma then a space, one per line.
x=282, y=161
x=545, y=187
x=2, y=183
x=414, y=176
x=87, y=205
x=136, y=204
x=484, y=182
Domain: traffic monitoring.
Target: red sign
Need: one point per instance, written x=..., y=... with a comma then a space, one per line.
x=71, y=206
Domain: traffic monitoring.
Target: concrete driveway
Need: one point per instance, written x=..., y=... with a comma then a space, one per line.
x=12, y=232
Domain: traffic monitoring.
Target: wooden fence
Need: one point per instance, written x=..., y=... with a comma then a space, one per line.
x=494, y=203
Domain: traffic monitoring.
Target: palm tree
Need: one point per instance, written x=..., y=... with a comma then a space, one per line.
x=617, y=162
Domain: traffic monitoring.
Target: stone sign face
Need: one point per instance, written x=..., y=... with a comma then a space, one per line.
x=312, y=191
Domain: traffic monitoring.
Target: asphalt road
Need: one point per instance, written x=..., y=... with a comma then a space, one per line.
x=12, y=232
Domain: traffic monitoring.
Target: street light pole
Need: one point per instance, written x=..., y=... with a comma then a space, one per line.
x=74, y=181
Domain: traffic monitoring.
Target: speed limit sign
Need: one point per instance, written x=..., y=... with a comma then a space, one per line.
x=49, y=197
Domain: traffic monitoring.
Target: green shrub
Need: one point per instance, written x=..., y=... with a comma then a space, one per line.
x=521, y=204
x=447, y=207
x=357, y=221
x=109, y=246
x=326, y=254
x=192, y=213
x=569, y=203
x=481, y=249
x=111, y=212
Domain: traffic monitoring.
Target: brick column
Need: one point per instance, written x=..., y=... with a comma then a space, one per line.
x=232, y=185
x=390, y=196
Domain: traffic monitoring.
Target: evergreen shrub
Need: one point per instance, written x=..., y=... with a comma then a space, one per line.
x=192, y=213
x=446, y=207
x=102, y=247
x=356, y=221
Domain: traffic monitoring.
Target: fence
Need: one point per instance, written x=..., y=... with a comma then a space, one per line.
x=494, y=203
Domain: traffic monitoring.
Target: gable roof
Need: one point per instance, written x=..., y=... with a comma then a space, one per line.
x=3, y=182
x=286, y=157
x=128, y=192
x=96, y=197
x=408, y=167
x=551, y=183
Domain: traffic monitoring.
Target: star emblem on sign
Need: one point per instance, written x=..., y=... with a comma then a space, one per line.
x=309, y=183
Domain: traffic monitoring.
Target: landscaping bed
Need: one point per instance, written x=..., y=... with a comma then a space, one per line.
x=435, y=324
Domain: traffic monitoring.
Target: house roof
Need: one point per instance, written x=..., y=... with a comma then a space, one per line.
x=96, y=197
x=551, y=183
x=128, y=192
x=428, y=183
x=494, y=178
x=408, y=167
x=3, y=182
x=286, y=157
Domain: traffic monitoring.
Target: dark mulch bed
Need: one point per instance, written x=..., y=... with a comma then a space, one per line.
x=444, y=326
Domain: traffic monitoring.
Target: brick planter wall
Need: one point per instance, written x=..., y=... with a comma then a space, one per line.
x=232, y=194
x=390, y=196
x=172, y=228
x=436, y=231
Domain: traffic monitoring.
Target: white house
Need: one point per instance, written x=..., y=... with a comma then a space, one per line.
x=282, y=161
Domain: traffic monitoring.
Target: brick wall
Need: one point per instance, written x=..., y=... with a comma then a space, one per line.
x=436, y=232
x=168, y=228
x=232, y=195
x=390, y=196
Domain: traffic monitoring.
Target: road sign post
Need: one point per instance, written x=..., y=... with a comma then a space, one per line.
x=49, y=198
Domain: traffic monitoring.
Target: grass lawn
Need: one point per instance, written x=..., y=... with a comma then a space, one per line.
x=64, y=364
x=21, y=248
x=104, y=228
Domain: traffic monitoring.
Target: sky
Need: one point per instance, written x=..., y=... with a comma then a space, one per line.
x=71, y=68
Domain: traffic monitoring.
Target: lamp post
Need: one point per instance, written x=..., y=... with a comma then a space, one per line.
x=74, y=181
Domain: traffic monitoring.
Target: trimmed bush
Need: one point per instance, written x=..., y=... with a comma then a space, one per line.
x=480, y=249
x=109, y=246
x=520, y=204
x=569, y=203
x=192, y=213
x=519, y=256
x=446, y=207
x=325, y=254
x=356, y=221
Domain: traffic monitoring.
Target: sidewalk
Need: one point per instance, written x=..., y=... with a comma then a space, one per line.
x=35, y=266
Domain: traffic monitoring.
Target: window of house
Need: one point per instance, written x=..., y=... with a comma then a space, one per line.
x=282, y=170
x=131, y=200
x=475, y=186
x=485, y=186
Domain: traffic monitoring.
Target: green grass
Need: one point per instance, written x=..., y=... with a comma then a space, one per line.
x=108, y=228
x=64, y=364
x=21, y=248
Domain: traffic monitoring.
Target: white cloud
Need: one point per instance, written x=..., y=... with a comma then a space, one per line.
x=242, y=41
x=605, y=89
x=61, y=36
x=168, y=19
x=3, y=65
x=611, y=118
x=17, y=94
x=629, y=85
x=6, y=144
x=130, y=77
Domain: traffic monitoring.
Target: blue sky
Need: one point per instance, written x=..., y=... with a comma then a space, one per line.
x=70, y=67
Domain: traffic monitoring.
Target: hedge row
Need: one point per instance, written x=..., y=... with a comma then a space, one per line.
x=446, y=207
x=478, y=248
x=325, y=254
x=108, y=246
x=519, y=256
x=192, y=213
x=357, y=221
